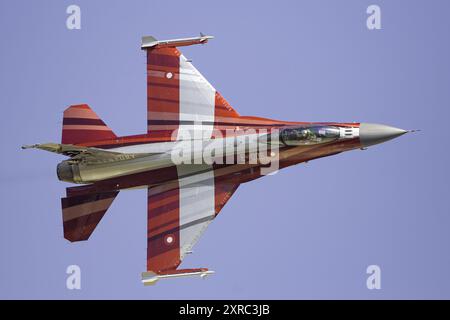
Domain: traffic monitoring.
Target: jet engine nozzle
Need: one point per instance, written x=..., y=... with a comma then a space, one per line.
x=68, y=172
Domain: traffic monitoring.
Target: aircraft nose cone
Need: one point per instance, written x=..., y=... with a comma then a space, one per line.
x=372, y=133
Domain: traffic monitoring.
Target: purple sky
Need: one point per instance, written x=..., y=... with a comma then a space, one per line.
x=309, y=231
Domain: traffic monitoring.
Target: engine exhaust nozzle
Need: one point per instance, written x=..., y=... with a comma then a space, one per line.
x=68, y=172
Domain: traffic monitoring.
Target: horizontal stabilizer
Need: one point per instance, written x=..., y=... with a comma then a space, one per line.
x=81, y=124
x=82, y=213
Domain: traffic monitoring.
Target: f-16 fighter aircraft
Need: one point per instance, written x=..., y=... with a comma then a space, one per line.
x=196, y=152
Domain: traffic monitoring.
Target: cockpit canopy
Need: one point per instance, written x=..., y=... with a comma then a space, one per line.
x=308, y=135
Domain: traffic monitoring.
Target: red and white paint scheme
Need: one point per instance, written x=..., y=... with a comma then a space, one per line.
x=185, y=115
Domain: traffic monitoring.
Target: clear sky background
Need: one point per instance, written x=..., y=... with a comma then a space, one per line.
x=309, y=231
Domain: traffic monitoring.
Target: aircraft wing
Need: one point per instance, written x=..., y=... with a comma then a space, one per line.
x=179, y=214
x=178, y=96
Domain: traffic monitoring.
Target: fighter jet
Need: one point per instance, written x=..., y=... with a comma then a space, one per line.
x=196, y=152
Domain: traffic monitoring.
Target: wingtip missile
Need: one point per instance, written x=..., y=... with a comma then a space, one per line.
x=150, y=42
x=204, y=38
x=150, y=278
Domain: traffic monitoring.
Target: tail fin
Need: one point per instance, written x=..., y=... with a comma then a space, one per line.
x=81, y=124
x=82, y=213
